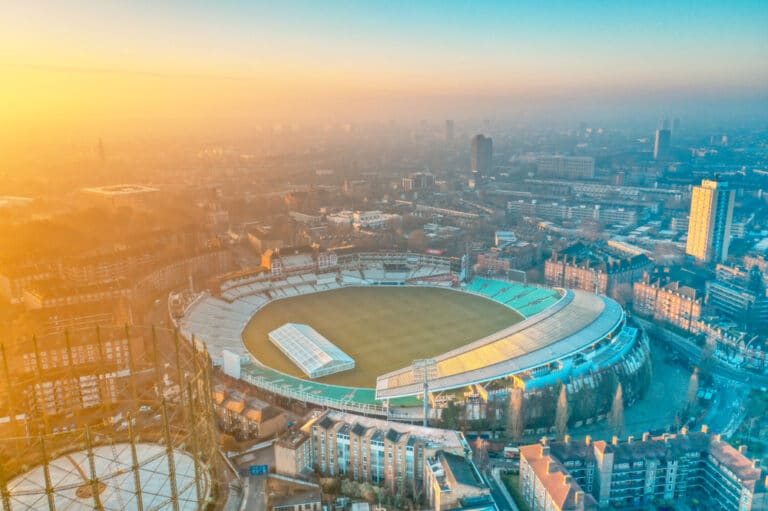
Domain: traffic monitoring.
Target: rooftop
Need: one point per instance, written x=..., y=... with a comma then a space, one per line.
x=310, y=350
x=462, y=470
x=445, y=438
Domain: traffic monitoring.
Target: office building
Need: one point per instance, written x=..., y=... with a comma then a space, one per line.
x=566, y=167
x=449, y=130
x=744, y=304
x=709, y=226
x=482, y=157
x=418, y=181
x=662, y=144
x=635, y=473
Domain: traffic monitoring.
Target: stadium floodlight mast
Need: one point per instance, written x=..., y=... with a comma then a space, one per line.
x=425, y=369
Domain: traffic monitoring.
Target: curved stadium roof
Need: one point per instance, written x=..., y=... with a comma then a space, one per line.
x=577, y=321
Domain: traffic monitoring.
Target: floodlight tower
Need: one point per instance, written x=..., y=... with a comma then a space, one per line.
x=424, y=369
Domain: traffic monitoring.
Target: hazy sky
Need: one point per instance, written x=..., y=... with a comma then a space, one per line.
x=91, y=62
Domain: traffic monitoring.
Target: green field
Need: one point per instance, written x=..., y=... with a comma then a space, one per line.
x=382, y=328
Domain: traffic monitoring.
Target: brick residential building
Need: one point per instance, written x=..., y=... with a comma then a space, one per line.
x=669, y=301
x=574, y=475
x=595, y=268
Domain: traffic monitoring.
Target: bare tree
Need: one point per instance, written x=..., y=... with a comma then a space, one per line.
x=561, y=414
x=693, y=389
x=515, y=418
x=481, y=453
x=617, y=411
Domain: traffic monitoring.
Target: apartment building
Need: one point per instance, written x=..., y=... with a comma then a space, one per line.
x=377, y=451
x=594, y=268
x=634, y=473
x=669, y=301
x=245, y=417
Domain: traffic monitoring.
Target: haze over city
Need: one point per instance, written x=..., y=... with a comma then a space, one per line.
x=384, y=256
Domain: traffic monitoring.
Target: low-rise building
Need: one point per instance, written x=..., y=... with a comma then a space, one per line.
x=247, y=418
x=519, y=255
x=293, y=453
x=302, y=501
x=453, y=482
x=60, y=293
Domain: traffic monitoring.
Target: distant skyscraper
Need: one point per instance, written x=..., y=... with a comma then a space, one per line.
x=662, y=145
x=100, y=151
x=482, y=157
x=709, y=227
x=449, y=130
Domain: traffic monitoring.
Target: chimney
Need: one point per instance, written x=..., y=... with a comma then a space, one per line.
x=755, y=463
x=578, y=498
x=630, y=439
x=704, y=428
x=743, y=449
x=717, y=438
x=646, y=436
x=549, y=466
x=588, y=440
x=567, y=479
x=567, y=439
x=684, y=430
x=615, y=440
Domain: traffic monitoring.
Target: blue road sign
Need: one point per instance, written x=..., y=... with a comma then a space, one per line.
x=258, y=470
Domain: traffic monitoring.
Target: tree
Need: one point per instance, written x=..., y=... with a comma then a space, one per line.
x=692, y=398
x=481, y=453
x=450, y=416
x=561, y=414
x=617, y=412
x=515, y=418
x=693, y=389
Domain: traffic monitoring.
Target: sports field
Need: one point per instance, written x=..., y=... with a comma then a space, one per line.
x=382, y=328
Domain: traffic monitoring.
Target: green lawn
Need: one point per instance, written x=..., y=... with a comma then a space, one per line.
x=382, y=328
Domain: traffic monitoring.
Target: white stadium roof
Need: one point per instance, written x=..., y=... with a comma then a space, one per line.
x=310, y=351
x=71, y=473
x=576, y=322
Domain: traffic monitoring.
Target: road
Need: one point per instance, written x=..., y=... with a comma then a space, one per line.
x=257, y=496
x=693, y=353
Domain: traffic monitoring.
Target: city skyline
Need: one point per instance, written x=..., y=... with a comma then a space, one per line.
x=176, y=63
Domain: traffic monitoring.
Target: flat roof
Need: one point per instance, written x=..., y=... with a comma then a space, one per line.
x=577, y=321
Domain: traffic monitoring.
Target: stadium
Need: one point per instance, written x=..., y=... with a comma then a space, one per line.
x=373, y=314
